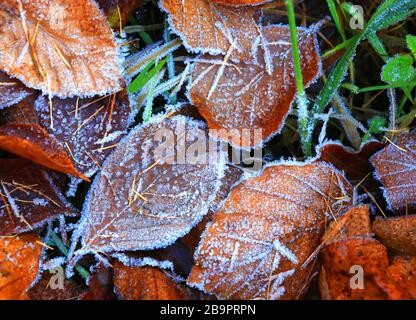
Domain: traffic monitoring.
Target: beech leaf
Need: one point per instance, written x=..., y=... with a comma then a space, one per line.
x=267, y=227
x=63, y=47
x=395, y=167
x=237, y=99
x=12, y=91
x=151, y=192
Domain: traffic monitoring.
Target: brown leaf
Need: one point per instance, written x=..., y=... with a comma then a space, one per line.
x=88, y=129
x=212, y=28
x=395, y=167
x=238, y=99
x=116, y=9
x=28, y=198
x=403, y=272
x=12, y=91
x=355, y=164
x=146, y=283
x=337, y=260
x=397, y=233
x=32, y=142
x=19, y=263
x=151, y=190
x=62, y=47
x=22, y=112
x=267, y=227
x=354, y=223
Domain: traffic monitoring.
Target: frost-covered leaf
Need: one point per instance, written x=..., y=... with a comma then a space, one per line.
x=240, y=98
x=100, y=285
x=88, y=129
x=12, y=91
x=116, y=9
x=32, y=142
x=211, y=28
x=19, y=263
x=156, y=185
x=397, y=233
x=267, y=227
x=22, y=112
x=62, y=47
x=146, y=283
x=395, y=167
x=355, y=164
x=28, y=198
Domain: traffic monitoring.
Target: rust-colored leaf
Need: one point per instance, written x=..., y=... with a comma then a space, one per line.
x=241, y=101
x=371, y=256
x=12, y=91
x=88, y=129
x=267, y=227
x=32, y=142
x=208, y=27
x=355, y=164
x=146, y=283
x=28, y=198
x=62, y=47
x=397, y=233
x=395, y=167
x=19, y=263
x=152, y=189
x=353, y=223
x=42, y=290
x=403, y=272
x=100, y=285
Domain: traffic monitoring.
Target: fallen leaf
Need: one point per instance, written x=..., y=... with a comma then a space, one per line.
x=28, y=198
x=62, y=47
x=240, y=101
x=19, y=263
x=32, y=142
x=403, y=272
x=353, y=223
x=355, y=164
x=118, y=9
x=344, y=259
x=211, y=28
x=267, y=227
x=12, y=91
x=152, y=190
x=88, y=129
x=395, y=167
x=22, y=112
x=146, y=283
x=397, y=233
x=355, y=266
x=100, y=285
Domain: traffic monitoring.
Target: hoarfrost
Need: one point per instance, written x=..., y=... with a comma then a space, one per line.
x=141, y=200
x=267, y=227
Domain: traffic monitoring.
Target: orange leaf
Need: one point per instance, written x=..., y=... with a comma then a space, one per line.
x=28, y=198
x=397, y=233
x=116, y=9
x=240, y=2
x=32, y=142
x=267, y=227
x=62, y=47
x=238, y=99
x=146, y=283
x=19, y=263
x=395, y=167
